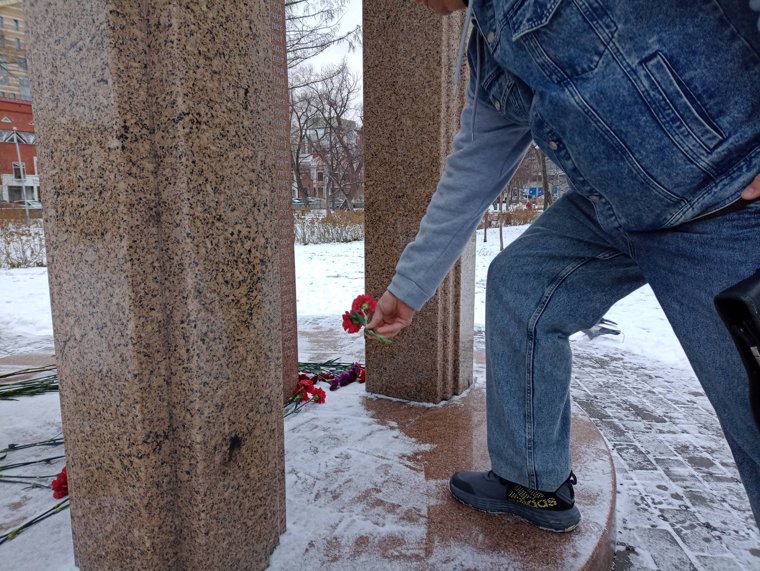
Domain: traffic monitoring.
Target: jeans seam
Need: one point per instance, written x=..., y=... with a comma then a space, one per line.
x=532, y=323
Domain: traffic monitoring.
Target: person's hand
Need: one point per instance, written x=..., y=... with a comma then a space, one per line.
x=391, y=316
x=443, y=7
x=752, y=192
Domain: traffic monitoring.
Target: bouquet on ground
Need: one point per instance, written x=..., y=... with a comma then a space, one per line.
x=360, y=315
x=355, y=373
x=306, y=392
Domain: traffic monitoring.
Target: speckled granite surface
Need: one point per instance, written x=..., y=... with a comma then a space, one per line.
x=411, y=115
x=459, y=537
x=155, y=142
x=283, y=223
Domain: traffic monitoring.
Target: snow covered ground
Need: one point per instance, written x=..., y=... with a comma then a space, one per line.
x=674, y=470
x=25, y=320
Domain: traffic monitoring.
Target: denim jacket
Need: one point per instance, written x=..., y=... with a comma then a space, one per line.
x=651, y=108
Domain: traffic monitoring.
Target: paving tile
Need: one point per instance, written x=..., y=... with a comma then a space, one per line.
x=668, y=469
x=707, y=563
x=665, y=550
x=634, y=457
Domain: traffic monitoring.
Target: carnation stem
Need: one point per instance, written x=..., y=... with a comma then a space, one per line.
x=372, y=333
x=52, y=511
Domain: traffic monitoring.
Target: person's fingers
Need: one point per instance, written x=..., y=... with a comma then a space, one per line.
x=393, y=327
x=385, y=309
x=391, y=316
x=378, y=318
x=752, y=192
x=390, y=330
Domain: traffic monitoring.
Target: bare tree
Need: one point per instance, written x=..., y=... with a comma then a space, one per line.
x=337, y=136
x=544, y=178
x=326, y=132
x=525, y=174
x=302, y=118
x=313, y=26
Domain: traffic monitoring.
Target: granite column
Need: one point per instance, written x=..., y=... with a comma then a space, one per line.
x=156, y=133
x=411, y=112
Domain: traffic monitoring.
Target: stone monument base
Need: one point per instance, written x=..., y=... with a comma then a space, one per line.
x=469, y=539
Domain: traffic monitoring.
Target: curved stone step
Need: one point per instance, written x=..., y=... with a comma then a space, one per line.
x=462, y=538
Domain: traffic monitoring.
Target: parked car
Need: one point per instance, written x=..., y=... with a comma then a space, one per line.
x=297, y=203
x=357, y=203
x=31, y=204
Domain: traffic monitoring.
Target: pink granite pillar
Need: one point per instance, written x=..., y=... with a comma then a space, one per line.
x=411, y=114
x=155, y=123
x=283, y=224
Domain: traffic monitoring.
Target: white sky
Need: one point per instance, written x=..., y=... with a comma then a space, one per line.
x=351, y=18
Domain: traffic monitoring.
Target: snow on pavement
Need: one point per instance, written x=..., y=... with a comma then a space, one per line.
x=674, y=469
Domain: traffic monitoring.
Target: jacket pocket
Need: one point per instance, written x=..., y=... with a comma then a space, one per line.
x=677, y=107
x=567, y=38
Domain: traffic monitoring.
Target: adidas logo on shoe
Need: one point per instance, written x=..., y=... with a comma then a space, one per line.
x=486, y=491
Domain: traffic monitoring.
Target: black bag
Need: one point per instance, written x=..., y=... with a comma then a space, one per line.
x=739, y=307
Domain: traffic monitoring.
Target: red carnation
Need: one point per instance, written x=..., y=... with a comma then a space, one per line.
x=308, y=384
x=61, y=485
x=303, y=390
x=319, y=395
x=364, y=304
x=362, y=375
x=349, y=325
x=360, y=315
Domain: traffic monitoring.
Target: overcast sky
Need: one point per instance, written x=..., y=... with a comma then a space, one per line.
x=351, y=18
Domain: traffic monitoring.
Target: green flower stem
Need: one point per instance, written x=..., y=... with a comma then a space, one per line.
x=329, y=366
x=27, y=371
x=44, y=477
x=62, y=505
x=12, y=447
x=364, y=318
x=21, y=464
x=376, y=335
x=29, y=485
x=31, y=387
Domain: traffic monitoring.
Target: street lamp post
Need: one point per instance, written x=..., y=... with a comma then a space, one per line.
x=23, y=176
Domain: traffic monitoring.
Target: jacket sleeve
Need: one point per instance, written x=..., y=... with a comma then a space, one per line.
x=487, y=150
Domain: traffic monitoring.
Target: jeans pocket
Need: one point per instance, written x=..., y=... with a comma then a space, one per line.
x=567, y=38
x=677, y=107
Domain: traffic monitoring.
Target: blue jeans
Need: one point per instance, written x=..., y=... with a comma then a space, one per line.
x=561, y=276
x=654, y=116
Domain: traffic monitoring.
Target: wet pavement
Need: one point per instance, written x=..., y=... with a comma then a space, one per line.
x=680, y=502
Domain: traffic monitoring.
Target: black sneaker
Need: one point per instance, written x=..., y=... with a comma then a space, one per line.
x=486, y=491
